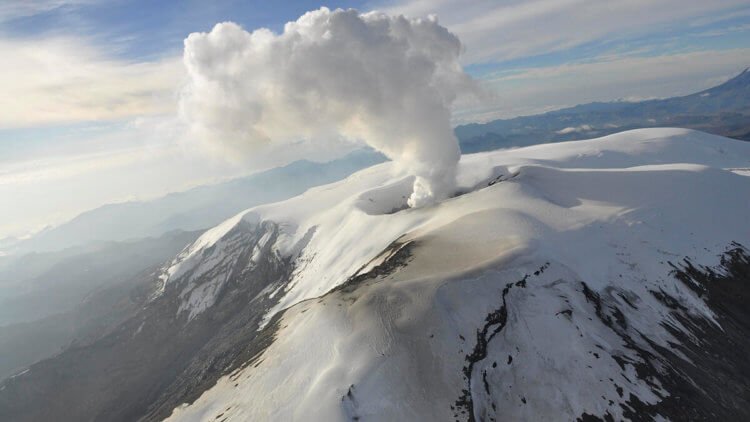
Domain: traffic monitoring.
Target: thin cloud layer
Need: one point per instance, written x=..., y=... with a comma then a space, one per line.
x=389, y=81
x=533, y=27
x=65, y=80
x=14, y=9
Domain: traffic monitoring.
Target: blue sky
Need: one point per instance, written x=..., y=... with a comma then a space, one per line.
x=142, y=29
x=89, y=87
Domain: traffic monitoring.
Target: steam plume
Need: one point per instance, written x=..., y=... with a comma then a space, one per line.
x=389, y=81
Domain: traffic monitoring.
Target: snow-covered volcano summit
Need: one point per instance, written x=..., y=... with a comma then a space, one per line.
x=603, y=279
x=544, y=292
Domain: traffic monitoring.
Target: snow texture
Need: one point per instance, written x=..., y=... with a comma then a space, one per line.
x=498, y=312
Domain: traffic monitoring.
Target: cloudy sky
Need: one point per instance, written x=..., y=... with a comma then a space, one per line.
x=89, y=88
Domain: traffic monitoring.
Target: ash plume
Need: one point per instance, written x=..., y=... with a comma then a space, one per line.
x=386, y=80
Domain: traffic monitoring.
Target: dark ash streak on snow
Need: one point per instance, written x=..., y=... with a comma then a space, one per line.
x=497, y=319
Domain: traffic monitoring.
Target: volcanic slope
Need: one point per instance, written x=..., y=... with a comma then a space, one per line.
x=605, y=279
x=600, y=279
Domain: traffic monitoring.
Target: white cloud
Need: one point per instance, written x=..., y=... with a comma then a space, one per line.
x=496, y=31
x=388, y=81
x=68, y=80
x=576, y=129
x=62, y=80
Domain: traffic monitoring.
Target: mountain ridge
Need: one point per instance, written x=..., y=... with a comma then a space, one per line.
x=198, y=208
x=722, y=110
x=333, y=306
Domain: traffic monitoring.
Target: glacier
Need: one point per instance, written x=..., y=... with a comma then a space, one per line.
x=537, y=293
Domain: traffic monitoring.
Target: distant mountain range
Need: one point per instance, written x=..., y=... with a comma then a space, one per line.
x=195, y=209
x=721, y=110
x=49, y=299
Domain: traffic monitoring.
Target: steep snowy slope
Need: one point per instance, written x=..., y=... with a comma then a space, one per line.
x=591, y=279
x=558, y=286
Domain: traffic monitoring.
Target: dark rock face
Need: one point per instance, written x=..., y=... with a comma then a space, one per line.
x=715, y=383
x=711, y=380
x=704, y=375
x=396, y=255
x=159, y=359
